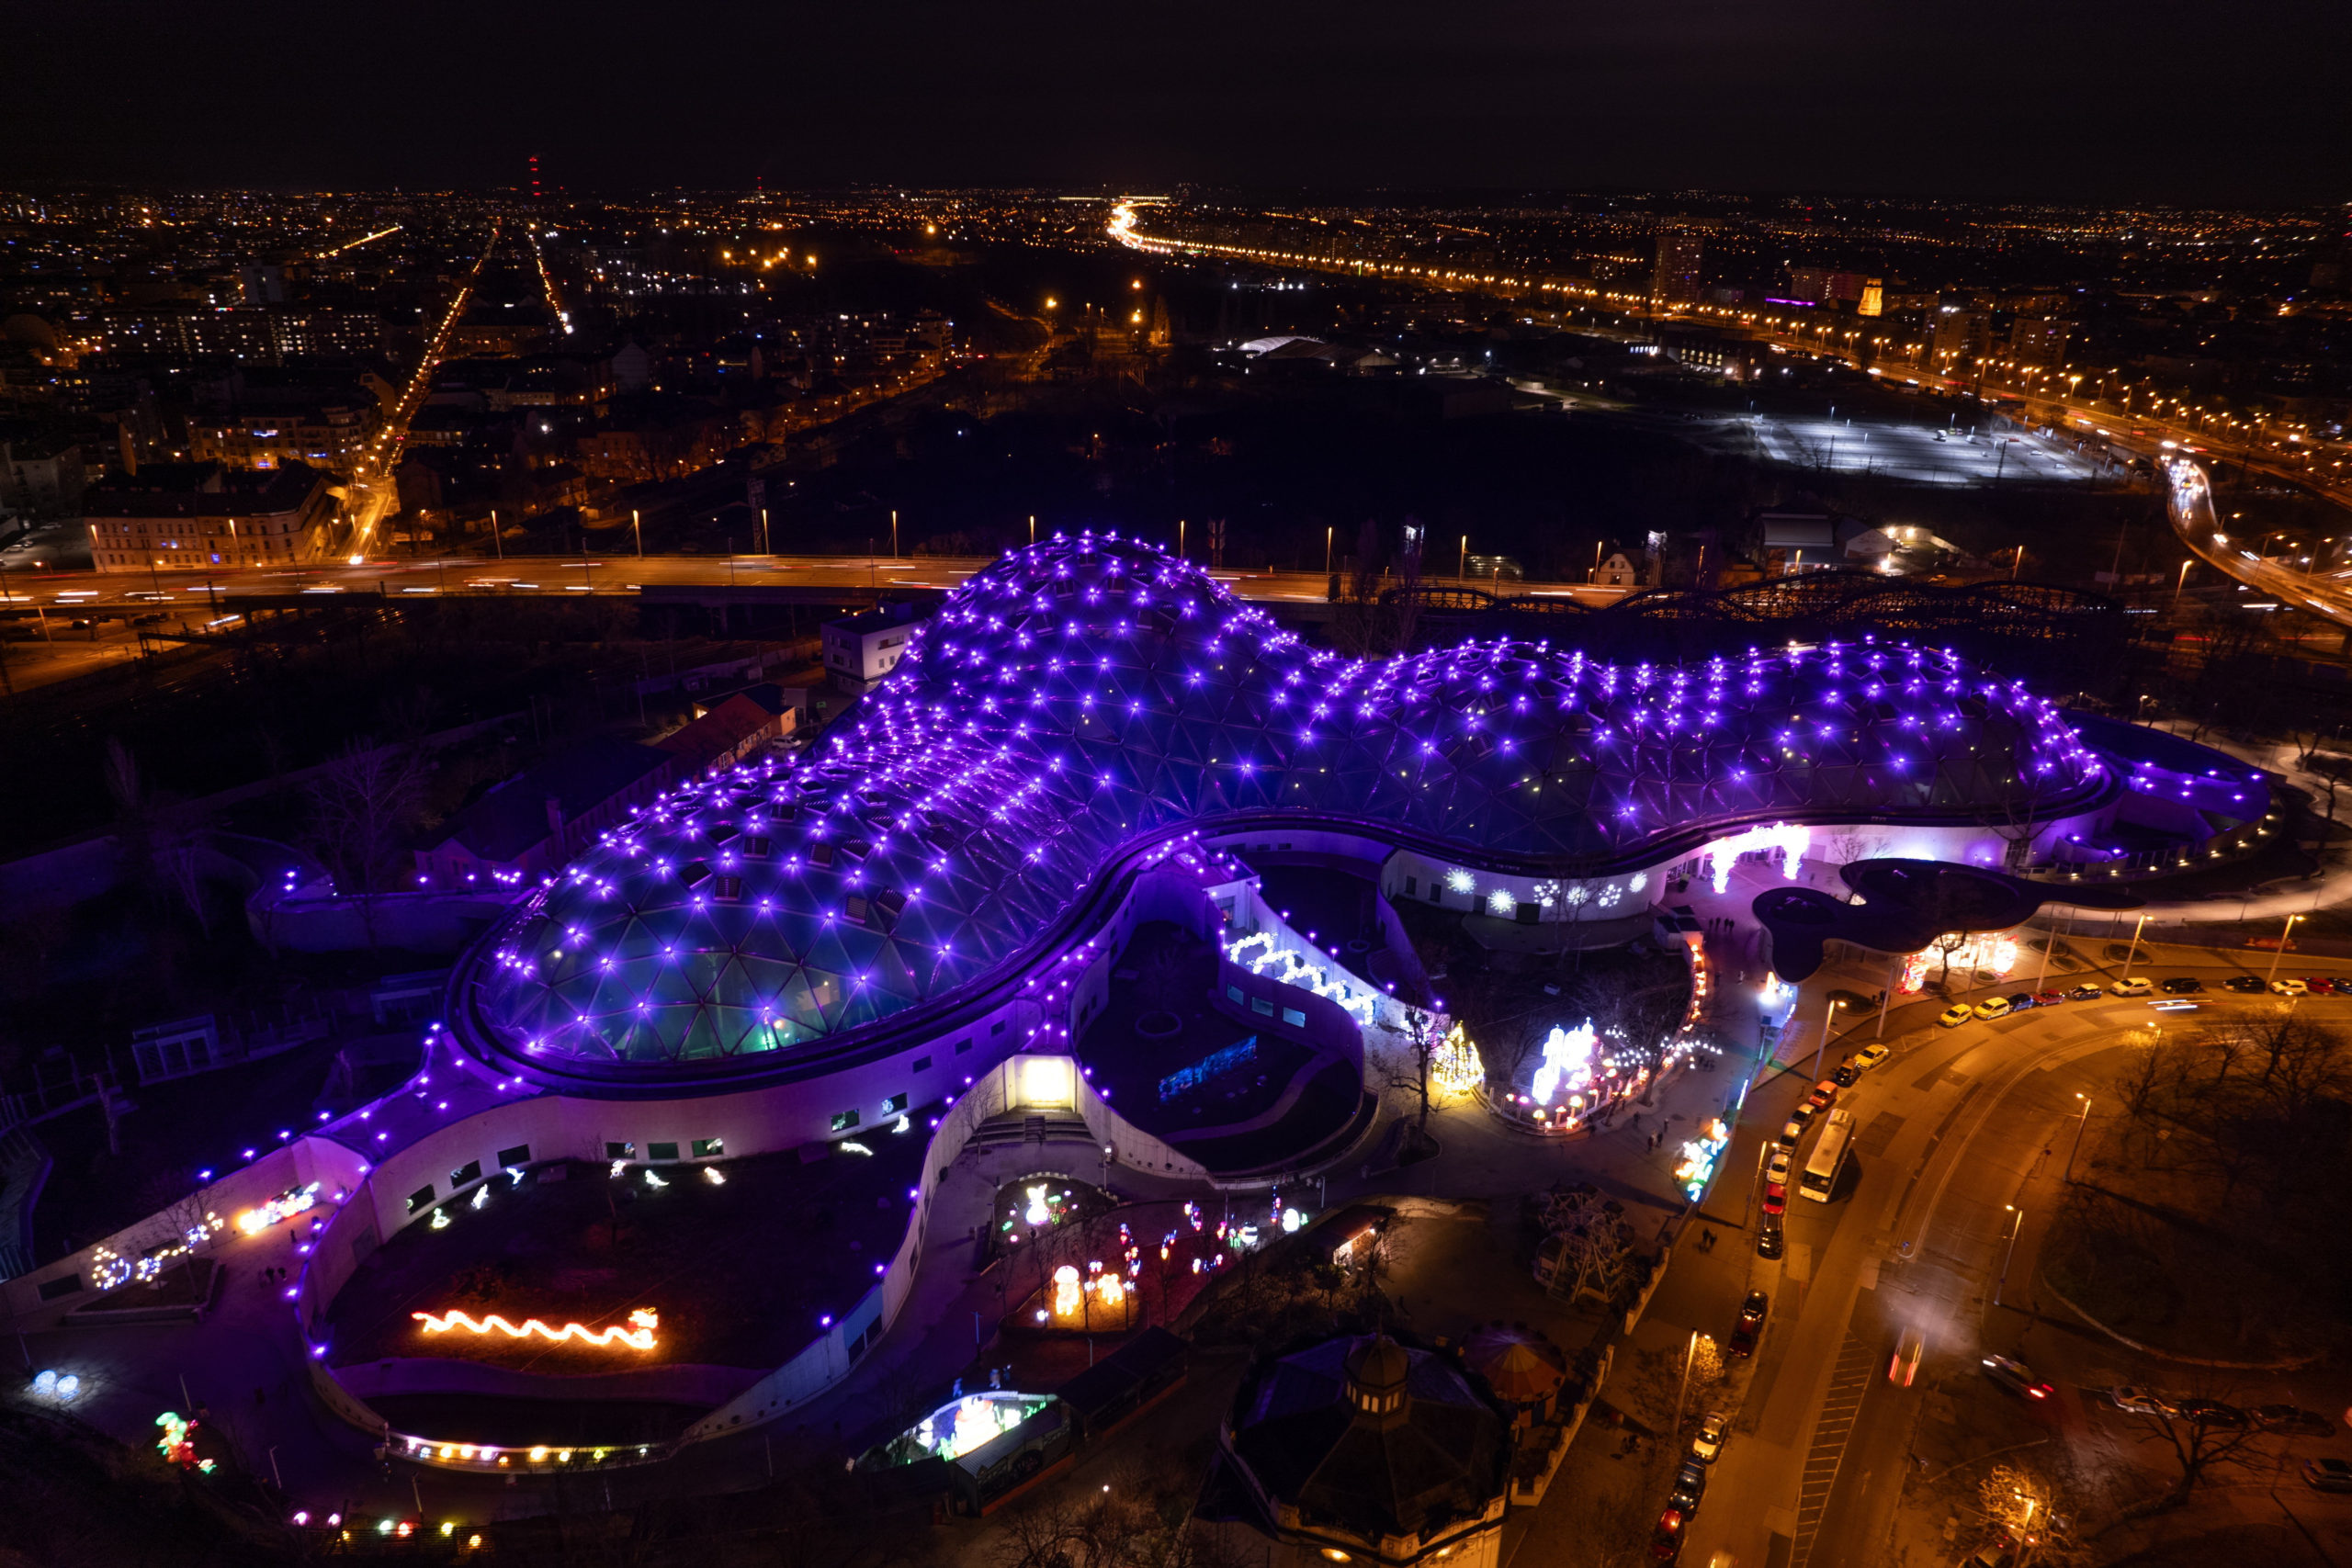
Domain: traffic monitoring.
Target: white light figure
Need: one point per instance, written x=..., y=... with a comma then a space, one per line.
x=1460, y=881
x=1567, y=1061
x=1641, y=879
x=1068, y=1293
x=1502, y=902
x=1038, y=1214
x=1786, y=839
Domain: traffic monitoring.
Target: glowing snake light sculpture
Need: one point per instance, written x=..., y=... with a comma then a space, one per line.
x=638, y=1335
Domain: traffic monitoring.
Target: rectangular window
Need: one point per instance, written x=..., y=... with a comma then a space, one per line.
x=895, y=1106
x=421, y=1198
x=661, y=1151
x=963, y=1045
x=996, y=1029
x=710, y=1148
x=63, y=1285
x=1413, y=888
x=726, y=889
x=519, y=1154
x=1294, y=1017
x=1529, y=913
x=922, y=1064
x=844, y=1119
x=620, y=1151
x=1233, y=994
x=1260, y=1004
x=468, y=1172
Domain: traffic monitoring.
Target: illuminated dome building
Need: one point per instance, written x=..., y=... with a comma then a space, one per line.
x=1083, y=705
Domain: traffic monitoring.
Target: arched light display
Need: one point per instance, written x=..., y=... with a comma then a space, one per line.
x=1089, y=693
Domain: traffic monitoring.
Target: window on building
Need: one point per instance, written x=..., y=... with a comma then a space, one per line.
x=895, y=1106
x=519, y=1154
x=922, y=1064
x=63, y=1285
x=1413, y=888
x=710, y=1148
x=465, y=1174
x=1233, y=994
x=844, y=1119
x=620, y=1151
x=421, y=1199
x=1294, y=1017
x=1260, y=1005
x=996, y=1029
x=662, y=1151
x=962, y=1046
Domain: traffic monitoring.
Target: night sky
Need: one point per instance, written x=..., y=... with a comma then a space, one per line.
x=2094, y=99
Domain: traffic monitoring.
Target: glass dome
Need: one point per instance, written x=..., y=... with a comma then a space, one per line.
x=1088, y=694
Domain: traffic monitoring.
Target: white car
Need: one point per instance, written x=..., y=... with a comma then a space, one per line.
x=1777, y=1169
x=2131, y=985
x=2139, y=1400
x=1714, y=1429
x=2289, y=989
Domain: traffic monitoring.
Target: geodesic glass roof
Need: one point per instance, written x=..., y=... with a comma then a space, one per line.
x=1089, y=693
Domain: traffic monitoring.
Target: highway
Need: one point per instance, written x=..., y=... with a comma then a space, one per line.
x=1960, y=1139
x=812, y=578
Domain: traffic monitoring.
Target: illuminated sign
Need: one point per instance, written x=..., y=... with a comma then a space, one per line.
x=639, y=1335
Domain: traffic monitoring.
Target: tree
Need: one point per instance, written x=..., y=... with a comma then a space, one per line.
x=2027, y=1513
x=2212, y=1436
x=360, y=801
x=1947, y=944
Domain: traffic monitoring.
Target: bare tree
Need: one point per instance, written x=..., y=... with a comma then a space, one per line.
x=360, y=801
x=2206, y=1436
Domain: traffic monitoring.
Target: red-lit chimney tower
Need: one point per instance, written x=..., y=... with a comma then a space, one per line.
x=534, y=179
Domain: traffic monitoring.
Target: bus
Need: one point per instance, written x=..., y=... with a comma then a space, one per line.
x=1829, y=1156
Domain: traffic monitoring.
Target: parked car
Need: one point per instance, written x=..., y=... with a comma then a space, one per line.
x=2328, y=1474
x=1690, y=1486
x=2320, y=984
x=1791, y=1133
x=1768, y=1244
x=2021, y=1001
x=2183, y=986
x=2213, y=1413
x=1870, y=1056
x=2287, y=985
x=2086, y=993
x=2137, y=1401
x=1824, y=1095
x=2048, y=999
x=2243, y=985
x=2292, y=1420
x=1777, y=1168
x=1904, y=1364
x=1665, y=1542
x=2017, y=1377
x=1714, y=1428
x=1775, y=1198
x=1956, y=1015
x=2131, y=985
x=1845, y=1073
x=1992, y=1007
x=1802, y=1114
x=1750, y=1325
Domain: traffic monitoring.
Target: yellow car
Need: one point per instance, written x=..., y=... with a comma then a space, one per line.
x=1956, y=1015
x=1992, y=1007
x=1870, y=1056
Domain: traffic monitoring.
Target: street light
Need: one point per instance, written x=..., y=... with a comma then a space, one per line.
x=2017, y=1224
x=637, y=527
x=2079, y=1124
x=1827, y=1020
x=2134, y=950
x=2283, y=939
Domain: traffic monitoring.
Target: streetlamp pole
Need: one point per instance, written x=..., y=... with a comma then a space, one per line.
x=637, y=527
x=1821, y=1050
x=2134, y=951
x=2017, y=1224
x=2079, y=1122
x=894, y=535
x=2283, y=938
x=1689, y=1355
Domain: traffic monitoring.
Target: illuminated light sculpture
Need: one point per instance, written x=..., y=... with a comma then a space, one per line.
x=638, y=1335
x=1455, y=1065
x=285, y=1206
x=178, y=1442
x=1697, y=1165
x=1038, y=1214
x=1991, y=952
x=1567, y=1062
x=1786, y=839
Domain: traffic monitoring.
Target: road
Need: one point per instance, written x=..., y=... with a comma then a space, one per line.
x=1960, y=1136
x=851, y=577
